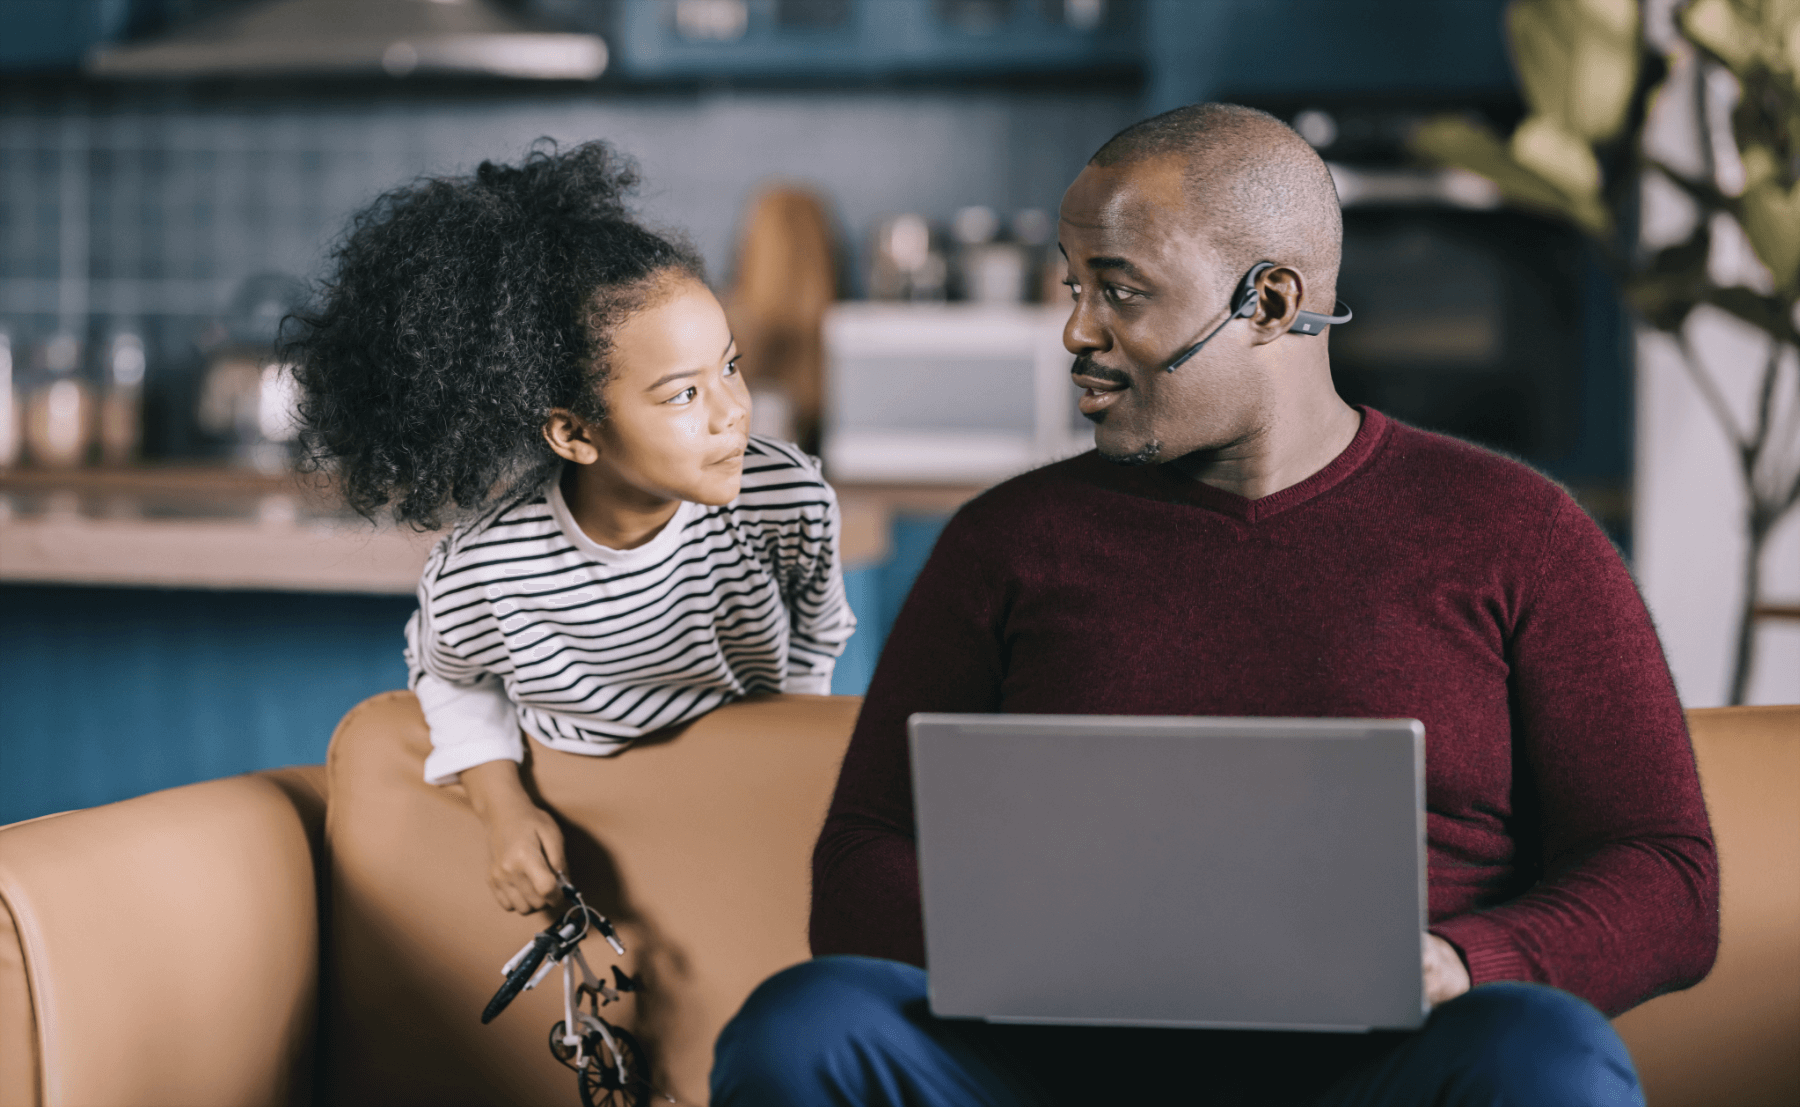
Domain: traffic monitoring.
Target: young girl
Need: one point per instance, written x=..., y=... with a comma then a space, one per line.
x=512, y=353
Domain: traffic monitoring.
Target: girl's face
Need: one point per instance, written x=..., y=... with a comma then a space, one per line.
x=677, y=410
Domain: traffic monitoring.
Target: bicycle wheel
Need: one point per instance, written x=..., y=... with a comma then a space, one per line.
x=599, y=1080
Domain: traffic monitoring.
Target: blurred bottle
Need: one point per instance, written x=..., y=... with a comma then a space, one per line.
x=11, y=443
x=247, y=397
x=122, y=401
x=252, y=401
x=59, y=406
x=904, y=264
x=786, y=279
x=988, y=270
x=1035, y=230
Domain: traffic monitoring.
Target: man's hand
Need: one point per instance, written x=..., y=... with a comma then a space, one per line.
x=525, y=846
x=1446, y=977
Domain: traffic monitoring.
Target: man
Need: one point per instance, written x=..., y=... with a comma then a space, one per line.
x=1245, y=543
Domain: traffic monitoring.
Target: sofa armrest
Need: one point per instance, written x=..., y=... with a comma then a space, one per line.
x=164, y=949
x=1731, y=1038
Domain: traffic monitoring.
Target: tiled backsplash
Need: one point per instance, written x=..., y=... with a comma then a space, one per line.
x=148, y=208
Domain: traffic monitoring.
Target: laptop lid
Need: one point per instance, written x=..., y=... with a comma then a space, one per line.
x=1247, y=873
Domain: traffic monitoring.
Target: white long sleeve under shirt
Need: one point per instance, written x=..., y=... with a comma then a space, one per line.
x=525, y=623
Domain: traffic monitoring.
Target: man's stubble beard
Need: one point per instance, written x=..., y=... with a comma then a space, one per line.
x=1147, y=454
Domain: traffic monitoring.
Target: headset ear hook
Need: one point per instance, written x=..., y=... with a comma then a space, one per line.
x=1244, y=305
x=1249, y=296
x=1305, y=322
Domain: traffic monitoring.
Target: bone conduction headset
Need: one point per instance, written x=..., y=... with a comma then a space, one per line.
x=1243, y=306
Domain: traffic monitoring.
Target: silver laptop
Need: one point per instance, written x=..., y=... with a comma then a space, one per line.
x=1192, y=872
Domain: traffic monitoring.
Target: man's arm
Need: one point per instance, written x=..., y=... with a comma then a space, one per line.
x=1628, y=903
x=944, y=654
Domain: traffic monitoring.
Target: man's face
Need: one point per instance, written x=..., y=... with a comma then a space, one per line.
x=1147, y=284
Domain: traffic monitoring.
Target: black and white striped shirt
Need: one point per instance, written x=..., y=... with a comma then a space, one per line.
x=525, y=622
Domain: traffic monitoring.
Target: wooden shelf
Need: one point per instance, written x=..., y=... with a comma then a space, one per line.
x=196, y=479
x=215, y=527
x=285, y=557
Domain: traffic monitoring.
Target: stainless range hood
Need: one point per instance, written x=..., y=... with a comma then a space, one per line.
x=343, y=38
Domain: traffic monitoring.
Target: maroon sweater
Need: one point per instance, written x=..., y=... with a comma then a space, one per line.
x=1415, y=576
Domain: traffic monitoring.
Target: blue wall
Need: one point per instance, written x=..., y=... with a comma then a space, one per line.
x=876, y=594
x=107, y=693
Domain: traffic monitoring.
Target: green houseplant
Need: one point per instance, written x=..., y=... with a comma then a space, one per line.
x=1589, y=75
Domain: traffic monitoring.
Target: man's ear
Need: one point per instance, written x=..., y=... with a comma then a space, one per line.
x=571, y=437
x=1279, y=293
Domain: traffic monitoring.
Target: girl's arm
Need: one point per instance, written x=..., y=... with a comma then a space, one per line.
x=475, y=736
x=470, y=724
x=525, y=846
x=820, y=618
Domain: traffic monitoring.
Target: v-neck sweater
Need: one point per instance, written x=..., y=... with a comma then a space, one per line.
x=1415, y=576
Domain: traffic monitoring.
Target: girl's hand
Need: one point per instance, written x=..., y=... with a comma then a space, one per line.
x=525, y=846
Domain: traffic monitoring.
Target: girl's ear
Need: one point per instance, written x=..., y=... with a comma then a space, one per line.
x=570, y=437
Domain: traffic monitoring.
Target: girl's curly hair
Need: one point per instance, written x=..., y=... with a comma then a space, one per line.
x=458, y=312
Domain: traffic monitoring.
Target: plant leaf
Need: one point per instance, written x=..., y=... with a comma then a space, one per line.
x=1605, y=57
x=1666, y=289
x=1538, y=33
x=1457, y=141
x=1771, y=219
x=1577, y=61
x=1717, y=25
x=1554, y=154
x=1749, y=36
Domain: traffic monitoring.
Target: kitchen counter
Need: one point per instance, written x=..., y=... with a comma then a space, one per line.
x=211, y=527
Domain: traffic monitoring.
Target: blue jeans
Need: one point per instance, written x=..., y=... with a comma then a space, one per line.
x=844, y=1031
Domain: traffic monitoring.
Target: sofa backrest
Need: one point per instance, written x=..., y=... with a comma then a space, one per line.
x=177, y=928
x=700, y=845
x=164, y=949
x=697, y=845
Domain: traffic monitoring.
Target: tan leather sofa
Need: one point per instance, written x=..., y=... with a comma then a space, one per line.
x=193, y=947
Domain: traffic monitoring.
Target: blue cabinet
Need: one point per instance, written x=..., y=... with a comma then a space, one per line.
x=1186, y=49
x=1258, y=50
x=38, y=36
x=686, y=40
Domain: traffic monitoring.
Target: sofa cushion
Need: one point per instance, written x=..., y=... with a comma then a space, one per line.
x=696, y=842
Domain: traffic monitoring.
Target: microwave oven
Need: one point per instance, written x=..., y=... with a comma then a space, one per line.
x=947, y=393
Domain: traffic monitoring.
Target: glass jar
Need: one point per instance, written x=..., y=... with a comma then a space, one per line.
x=122, y=401
x=11, y=417
x=59, y=407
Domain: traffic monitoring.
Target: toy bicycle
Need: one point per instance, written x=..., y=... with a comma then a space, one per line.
x=609, y=1064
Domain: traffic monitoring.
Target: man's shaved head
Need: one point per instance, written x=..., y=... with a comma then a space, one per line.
x=1254, y=187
